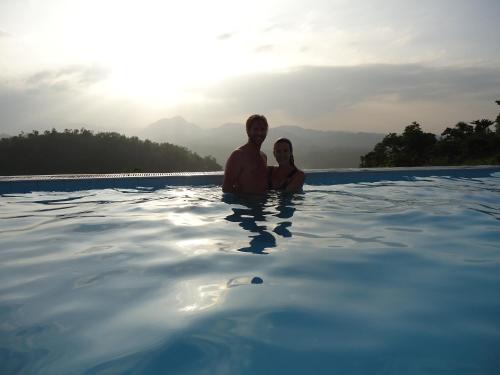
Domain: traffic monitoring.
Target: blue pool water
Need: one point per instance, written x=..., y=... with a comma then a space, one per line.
x=396, y=275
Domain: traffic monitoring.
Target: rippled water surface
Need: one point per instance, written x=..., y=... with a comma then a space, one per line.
x=380, y=278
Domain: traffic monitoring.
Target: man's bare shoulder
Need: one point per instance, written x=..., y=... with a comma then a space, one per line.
x=242, y=151
x=238, y=153
x=238, y=158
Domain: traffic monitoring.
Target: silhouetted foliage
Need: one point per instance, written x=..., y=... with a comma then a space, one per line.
x=474, y=143
x=82, y=151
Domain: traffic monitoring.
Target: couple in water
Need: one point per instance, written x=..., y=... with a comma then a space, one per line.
x=247, y=171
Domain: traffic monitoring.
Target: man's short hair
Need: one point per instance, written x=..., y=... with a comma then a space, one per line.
x=255, y=118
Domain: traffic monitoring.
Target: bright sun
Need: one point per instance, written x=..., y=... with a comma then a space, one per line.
x=162, y=50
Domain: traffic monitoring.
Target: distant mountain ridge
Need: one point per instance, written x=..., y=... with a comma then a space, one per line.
x=312, y=148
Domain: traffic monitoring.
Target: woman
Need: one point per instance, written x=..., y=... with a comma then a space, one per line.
x=286, y=176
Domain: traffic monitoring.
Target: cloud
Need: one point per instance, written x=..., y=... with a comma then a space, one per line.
x=344, y=97
x=3, y=34
x=68, y=77
x=366, y=97
x=226, y=36
x=60, y=97
x=308, y=91
x=264, y=48
x=277, y=26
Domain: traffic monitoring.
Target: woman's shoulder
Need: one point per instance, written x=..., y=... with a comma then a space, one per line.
x=297, y=172
x=300, y=173
x=295, y=181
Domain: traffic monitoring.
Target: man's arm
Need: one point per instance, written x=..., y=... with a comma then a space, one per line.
x=232, y=172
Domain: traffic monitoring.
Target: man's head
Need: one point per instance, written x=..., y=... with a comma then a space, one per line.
x=257, y=129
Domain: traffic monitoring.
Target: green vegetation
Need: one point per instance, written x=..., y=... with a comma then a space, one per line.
x=465, y=144
x=82, y=151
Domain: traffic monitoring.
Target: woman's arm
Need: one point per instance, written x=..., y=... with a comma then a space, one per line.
x=296, y=182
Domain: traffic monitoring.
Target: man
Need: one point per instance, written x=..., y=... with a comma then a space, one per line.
x=246, y=168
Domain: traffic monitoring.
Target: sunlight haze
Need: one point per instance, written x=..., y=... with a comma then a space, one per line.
x=372, y=66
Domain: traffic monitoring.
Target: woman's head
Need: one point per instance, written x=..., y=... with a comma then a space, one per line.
x=283, y=151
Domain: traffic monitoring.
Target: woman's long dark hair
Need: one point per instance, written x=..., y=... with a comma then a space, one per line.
x=286, y=140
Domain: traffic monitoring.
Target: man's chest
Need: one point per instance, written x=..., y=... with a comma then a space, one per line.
x=254, y=165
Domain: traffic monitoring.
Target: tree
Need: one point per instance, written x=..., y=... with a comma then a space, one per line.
x=459, y=132
x=80, y=151
x=418, y=145
x=497, y=121
x=482, y=126
x=412, y=148
x=465, y=143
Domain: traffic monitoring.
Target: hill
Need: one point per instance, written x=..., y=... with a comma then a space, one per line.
x=82, y=151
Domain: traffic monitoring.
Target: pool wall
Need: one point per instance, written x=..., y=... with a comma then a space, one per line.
x=26, y=184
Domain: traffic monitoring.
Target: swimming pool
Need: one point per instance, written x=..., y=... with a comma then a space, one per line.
x=380, y=271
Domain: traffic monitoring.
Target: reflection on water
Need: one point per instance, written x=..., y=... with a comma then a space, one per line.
x=285, y=206
x=396, y=277
x=254, y=215
x=249, y=218
x=201, y=297
x=196, y=298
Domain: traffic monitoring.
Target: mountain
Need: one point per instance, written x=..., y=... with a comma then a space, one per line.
x=174, y=130
x=312, y=148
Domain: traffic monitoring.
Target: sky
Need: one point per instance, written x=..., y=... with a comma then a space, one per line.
x=366, y=65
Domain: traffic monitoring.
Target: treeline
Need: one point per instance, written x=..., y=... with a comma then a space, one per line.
x=82, y=151
x=472, y=143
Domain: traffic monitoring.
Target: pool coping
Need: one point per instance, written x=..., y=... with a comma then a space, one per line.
x=56, y=177
x=73, y=182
